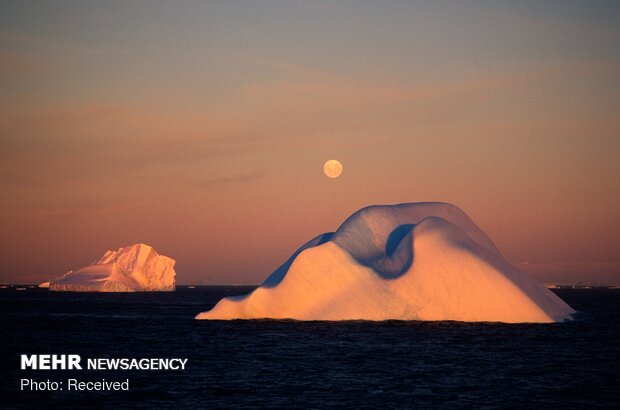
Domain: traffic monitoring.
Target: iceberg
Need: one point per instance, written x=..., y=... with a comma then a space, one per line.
x=44, y=285
x=135, y=268
x=412, y=261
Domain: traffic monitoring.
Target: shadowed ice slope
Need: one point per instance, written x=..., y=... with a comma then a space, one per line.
x=277, y=276
x=380, y=236
x=421, y=261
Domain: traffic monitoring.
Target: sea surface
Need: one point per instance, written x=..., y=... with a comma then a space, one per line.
x=288, y=364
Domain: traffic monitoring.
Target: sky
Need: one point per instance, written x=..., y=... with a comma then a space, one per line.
x=201, y=128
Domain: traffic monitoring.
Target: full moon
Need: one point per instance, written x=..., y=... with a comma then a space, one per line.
x=332, y=168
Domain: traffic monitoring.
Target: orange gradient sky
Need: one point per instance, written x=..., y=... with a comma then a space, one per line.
x=201, y=128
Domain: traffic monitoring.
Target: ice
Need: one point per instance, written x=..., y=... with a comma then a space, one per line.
x=135, y=268
x=420, y=261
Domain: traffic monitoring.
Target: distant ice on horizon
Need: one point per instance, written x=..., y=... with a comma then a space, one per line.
x=135, y=268
x=412, y=261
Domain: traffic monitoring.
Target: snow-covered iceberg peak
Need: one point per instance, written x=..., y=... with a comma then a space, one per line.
x=135, y=268
x=415, y=261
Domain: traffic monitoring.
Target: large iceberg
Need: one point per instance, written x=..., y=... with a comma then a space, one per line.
x=415, y=261
x=135, y=268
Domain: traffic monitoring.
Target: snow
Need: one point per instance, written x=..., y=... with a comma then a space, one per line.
x=133, y=268
x=420, y=261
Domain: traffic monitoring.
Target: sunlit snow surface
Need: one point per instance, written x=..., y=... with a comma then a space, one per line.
x=419, y=261
x=133, y=268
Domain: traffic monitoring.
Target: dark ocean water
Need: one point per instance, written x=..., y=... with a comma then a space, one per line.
x=288, y=364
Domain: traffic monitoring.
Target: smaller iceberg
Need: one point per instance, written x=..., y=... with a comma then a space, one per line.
x=44, y=285
x=135, y=268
